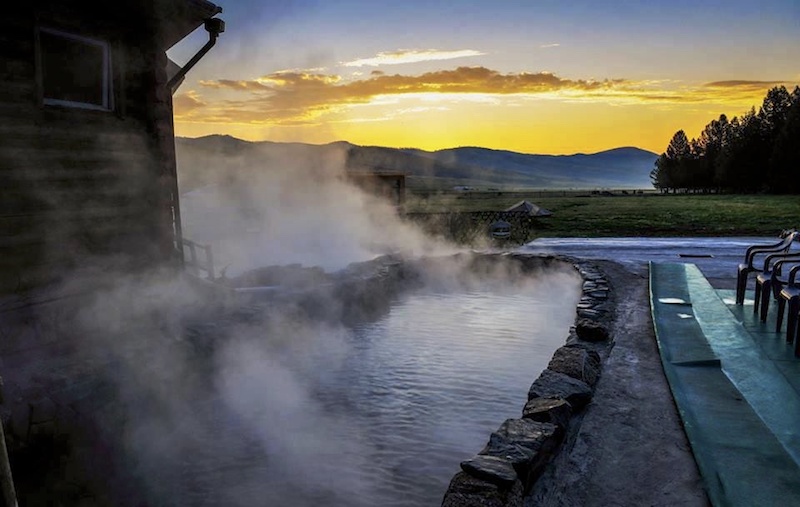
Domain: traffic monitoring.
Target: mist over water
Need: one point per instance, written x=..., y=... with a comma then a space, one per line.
x=284, y=409
x=291, y=411
x=258, y=211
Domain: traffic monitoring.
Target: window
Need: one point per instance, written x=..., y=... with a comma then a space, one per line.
x=75, y=71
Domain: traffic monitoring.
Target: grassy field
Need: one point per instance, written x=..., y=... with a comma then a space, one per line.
x=577, y=214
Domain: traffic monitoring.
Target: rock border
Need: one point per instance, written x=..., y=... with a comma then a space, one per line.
x=506, y=469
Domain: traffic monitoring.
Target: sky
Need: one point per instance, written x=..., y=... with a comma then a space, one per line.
x=534, y=76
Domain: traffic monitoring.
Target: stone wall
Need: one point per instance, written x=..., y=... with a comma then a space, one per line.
x=517, y=453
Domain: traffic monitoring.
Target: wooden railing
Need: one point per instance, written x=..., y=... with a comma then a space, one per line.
x=469, y=227
x=192, y=263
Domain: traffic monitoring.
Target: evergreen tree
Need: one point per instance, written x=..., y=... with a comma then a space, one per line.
x=712, y=141
x=785, y=159
x=669, y=171
x=742, y=160
x=773, y=114
x=659, y=176
x=753, y=153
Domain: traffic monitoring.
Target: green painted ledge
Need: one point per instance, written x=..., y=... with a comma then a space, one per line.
x=740, y=411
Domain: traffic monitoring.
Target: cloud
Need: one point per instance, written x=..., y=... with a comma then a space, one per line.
x=304, y=97
x=411, y=56
x=553, y=45
x=292, y=97
x=745, y=84
x=188, y=102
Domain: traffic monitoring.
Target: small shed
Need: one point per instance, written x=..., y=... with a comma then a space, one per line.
x=87, y=154
x=529, y=208
x=386, y=183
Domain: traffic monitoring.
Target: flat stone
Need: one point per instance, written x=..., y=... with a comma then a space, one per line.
x=599, y=294
x=578, y=363
x=591, y=330
x=515, y=453
x=520, y=441
x=493, y=469
x=588, y=312
x=552, y=384
x=553, y=411
x=468, y=491
x=526, y=432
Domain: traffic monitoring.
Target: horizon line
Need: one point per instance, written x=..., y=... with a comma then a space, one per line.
x=420, y=149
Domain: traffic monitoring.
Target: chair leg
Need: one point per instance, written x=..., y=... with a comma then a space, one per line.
x=796, y=342
x=757, y=298
x=779, y=319
x=766, y=293
x=741, y=286
x=791, y=321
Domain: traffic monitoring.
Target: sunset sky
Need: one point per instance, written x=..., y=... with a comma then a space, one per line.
x=535, y=76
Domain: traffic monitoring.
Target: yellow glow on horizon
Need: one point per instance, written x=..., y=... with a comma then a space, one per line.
x=547, y=130
x=553, y=122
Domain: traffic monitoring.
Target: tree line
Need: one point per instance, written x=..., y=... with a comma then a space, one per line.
x=757, y=152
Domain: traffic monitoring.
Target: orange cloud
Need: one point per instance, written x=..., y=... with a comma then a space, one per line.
x=188, y=102
x=302, y=97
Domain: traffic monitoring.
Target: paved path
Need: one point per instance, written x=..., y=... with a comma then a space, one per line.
x=631, y=448
x=717, y=258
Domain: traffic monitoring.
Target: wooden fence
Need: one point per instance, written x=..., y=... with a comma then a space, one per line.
x=472, y=227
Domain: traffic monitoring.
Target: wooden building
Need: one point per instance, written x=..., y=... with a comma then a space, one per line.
x=386, y=183
x=87, y=156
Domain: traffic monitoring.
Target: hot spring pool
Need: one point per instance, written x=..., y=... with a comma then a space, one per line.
x=439, y=373
x=379, y=413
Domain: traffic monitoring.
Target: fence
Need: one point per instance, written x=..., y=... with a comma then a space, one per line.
x=474, y=226
x=195, y=265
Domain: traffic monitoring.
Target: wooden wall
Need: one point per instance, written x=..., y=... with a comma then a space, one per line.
x=82, y=188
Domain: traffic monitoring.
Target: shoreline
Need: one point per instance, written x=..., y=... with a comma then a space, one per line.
x=630, y=448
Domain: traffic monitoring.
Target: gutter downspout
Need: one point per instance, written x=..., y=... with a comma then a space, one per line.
x=214, y=27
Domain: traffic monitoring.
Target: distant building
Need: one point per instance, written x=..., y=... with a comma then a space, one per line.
x=529, y=209
x=87, y=155
x=385, y=183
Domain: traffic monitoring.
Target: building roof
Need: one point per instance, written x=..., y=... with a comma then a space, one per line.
x=182, y=17
x=530, y=208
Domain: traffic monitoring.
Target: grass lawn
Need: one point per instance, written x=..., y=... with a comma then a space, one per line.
x=648, y=214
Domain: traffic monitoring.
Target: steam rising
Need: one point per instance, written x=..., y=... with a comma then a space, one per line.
x=268, y=406
x=200, y=404
x=264, y=208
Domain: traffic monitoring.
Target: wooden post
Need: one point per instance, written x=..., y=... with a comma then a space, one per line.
x=209, y=262
x=6, y=479
x=193, y=258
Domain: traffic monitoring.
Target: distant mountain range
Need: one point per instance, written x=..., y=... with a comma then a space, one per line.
x=475, y=167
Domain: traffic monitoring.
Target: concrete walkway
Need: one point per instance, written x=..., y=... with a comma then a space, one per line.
x=739, y=409
x=621, y=455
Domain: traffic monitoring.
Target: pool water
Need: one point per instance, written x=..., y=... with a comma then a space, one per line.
x=433, y=378
x=381, y=413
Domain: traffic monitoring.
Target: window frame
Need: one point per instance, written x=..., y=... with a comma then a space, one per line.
x=107, y=72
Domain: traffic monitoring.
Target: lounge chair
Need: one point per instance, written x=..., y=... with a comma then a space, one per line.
x=748, y=266
x=769, y=282
x=790, y=297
